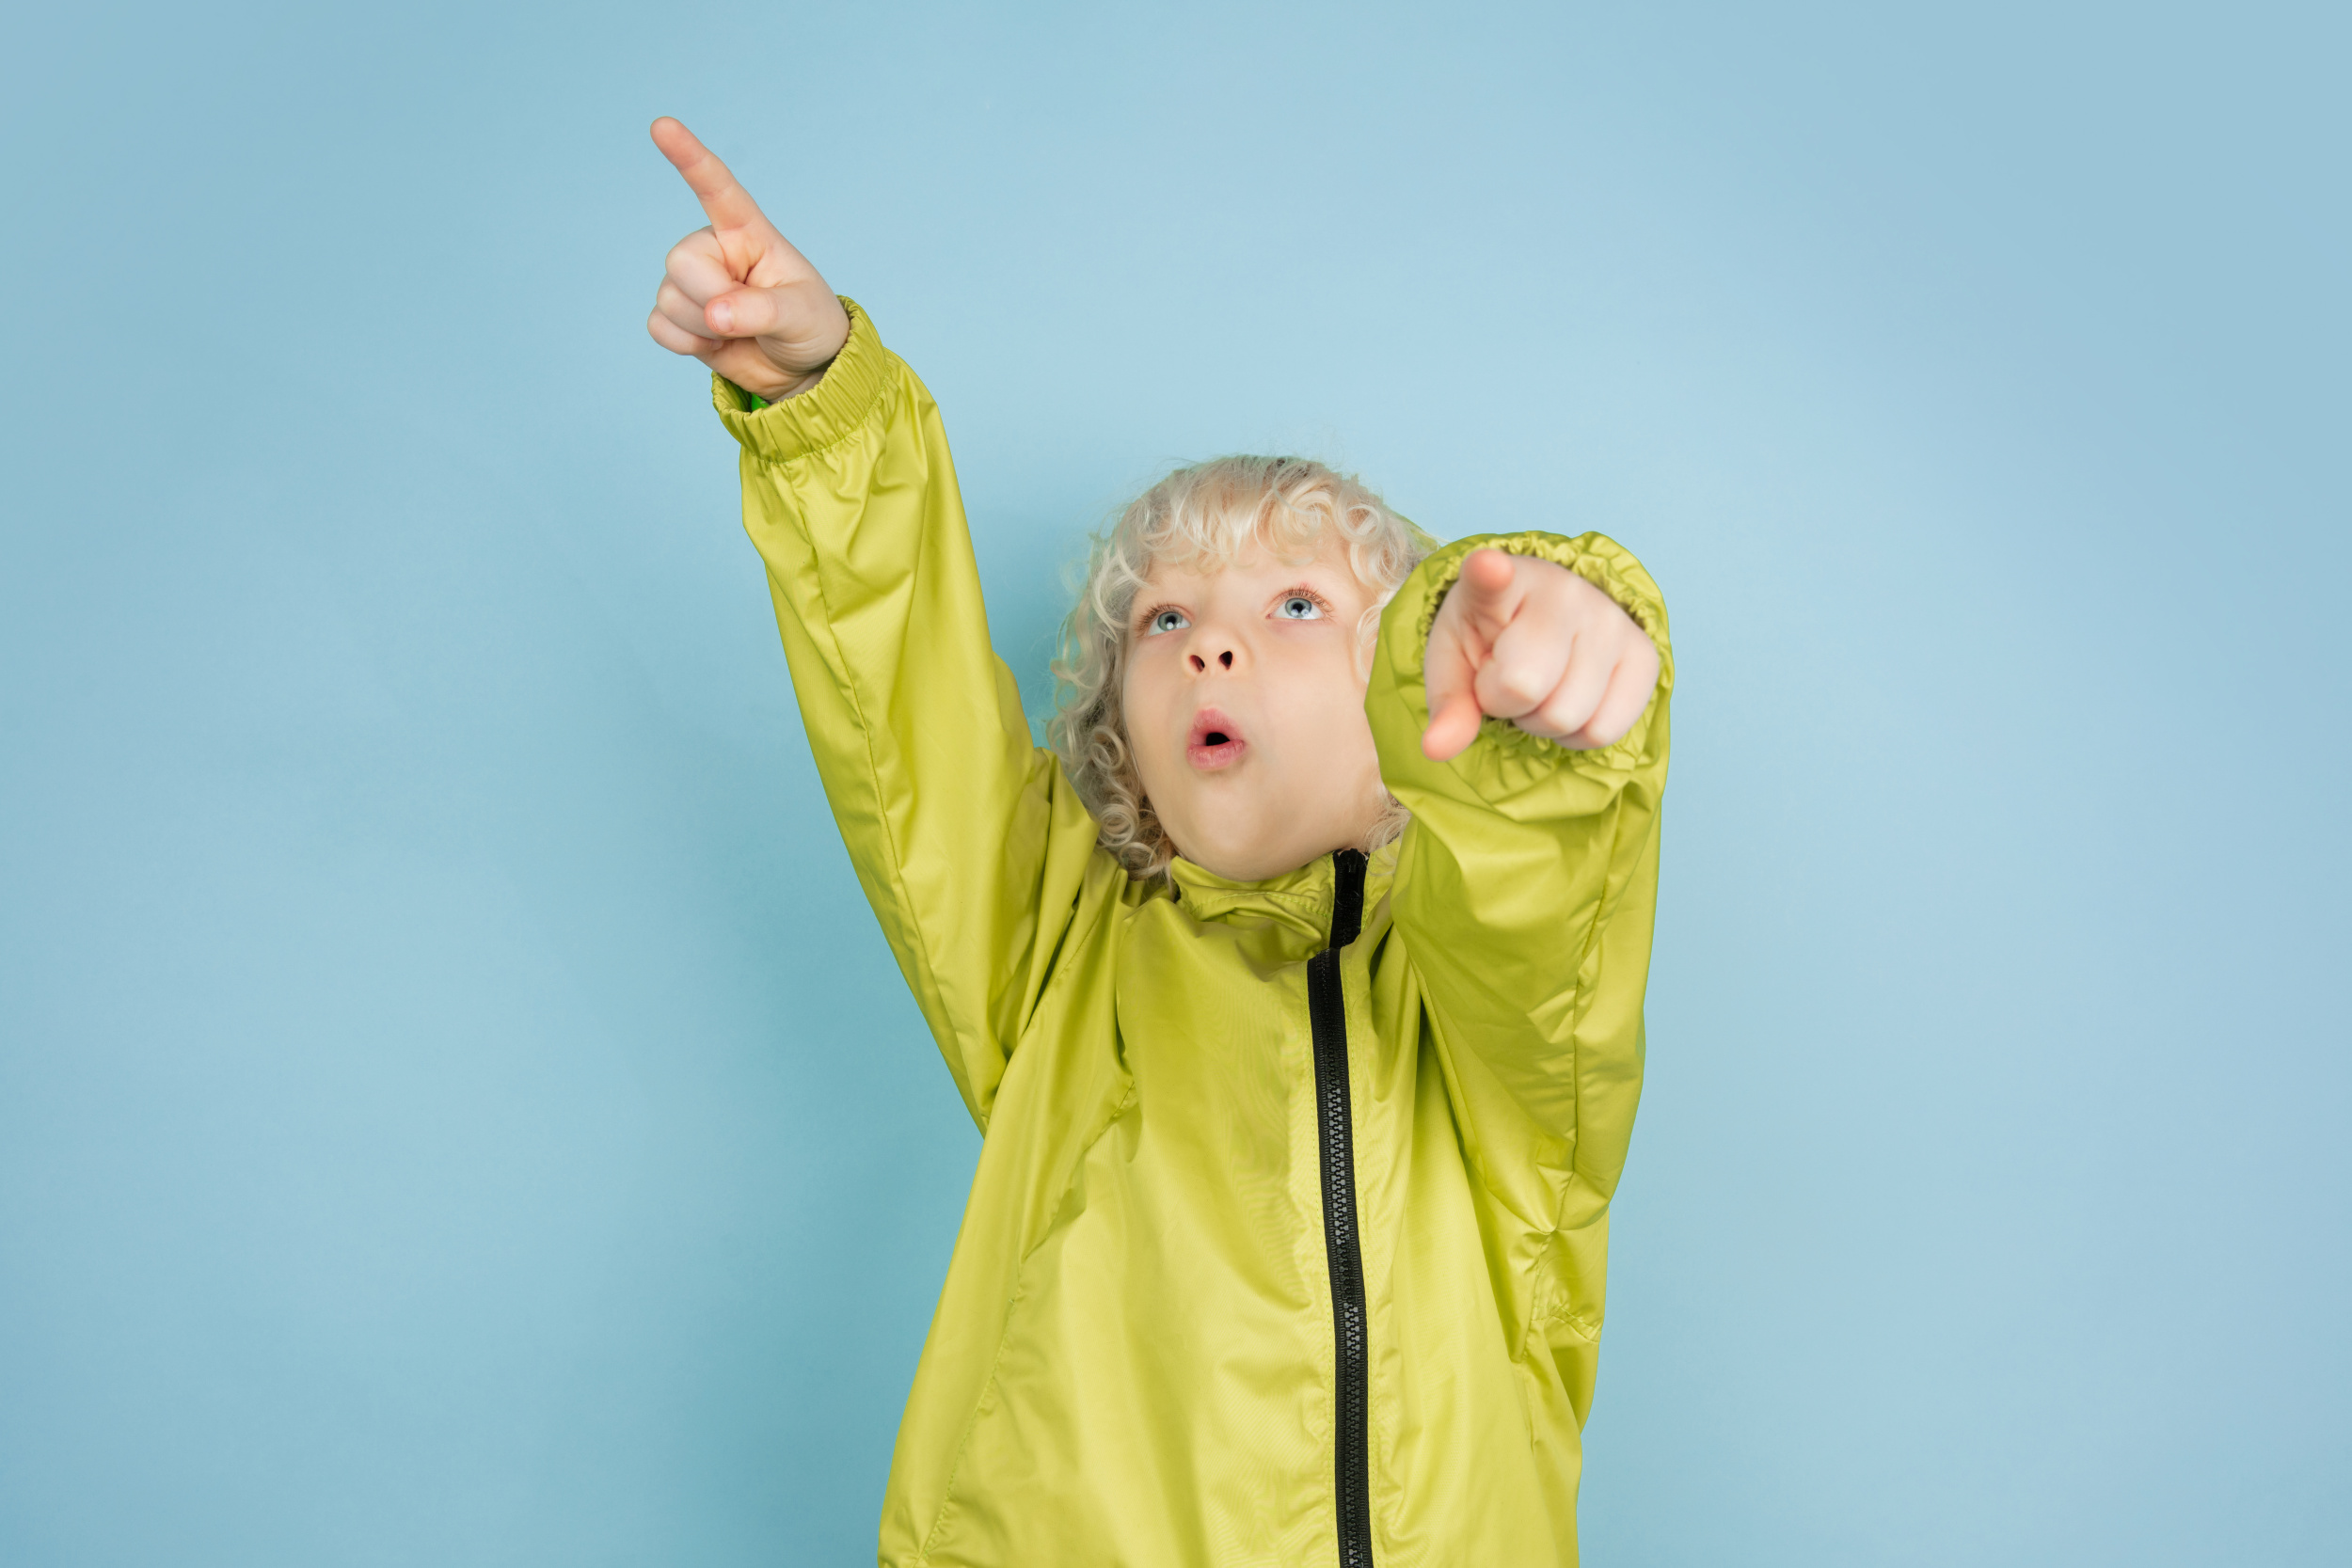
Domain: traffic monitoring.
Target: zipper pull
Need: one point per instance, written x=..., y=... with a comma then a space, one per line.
x=1347, y=896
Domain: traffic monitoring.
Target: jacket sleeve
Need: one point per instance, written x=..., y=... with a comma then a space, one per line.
x=969, y=842
x=1527, y=879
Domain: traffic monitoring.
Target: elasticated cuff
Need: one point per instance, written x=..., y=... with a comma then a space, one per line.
x=832, y=411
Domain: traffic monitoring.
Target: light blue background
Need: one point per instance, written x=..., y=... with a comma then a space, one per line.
x=455, y=1108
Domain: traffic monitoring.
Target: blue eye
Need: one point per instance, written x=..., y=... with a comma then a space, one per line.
x=1298, y=606
x=1166, y=620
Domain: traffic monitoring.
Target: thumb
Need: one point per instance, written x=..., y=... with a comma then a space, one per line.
x=1448, y=679
x=750, y=312
x=1452, y=728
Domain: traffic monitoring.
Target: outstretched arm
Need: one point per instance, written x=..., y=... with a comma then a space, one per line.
x=973, y=849
x=1518, y=701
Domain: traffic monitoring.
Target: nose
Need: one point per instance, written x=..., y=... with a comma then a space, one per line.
x=1220, y=651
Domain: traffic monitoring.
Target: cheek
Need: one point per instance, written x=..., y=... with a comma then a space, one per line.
x=1142, y=698
x=1325, y=705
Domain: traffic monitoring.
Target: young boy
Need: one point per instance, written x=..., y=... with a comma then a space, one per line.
x=1299, y=1130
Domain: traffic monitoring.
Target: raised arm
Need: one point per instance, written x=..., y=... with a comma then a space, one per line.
x=1518, y=699
x=972, y=848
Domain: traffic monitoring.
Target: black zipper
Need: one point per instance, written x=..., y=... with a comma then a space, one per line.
x=1351, y=1342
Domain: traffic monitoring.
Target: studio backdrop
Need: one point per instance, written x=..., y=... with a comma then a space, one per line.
x=454, y=1106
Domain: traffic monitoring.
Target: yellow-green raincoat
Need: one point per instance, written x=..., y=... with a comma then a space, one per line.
x=1275, y=1255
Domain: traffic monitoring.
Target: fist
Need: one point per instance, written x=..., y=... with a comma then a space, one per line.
x=736, y=295
x=1531, y=642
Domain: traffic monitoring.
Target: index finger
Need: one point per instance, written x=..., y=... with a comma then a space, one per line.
x=1486, y=582
x=728, y=204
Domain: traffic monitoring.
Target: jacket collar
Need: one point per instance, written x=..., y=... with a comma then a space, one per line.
x=1300, y=900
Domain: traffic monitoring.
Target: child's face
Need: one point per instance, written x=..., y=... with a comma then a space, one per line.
x=1244, y=705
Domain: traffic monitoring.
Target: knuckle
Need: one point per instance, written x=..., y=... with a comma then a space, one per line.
x=1560, y=718
x=1521, y=695
x=1520, y=682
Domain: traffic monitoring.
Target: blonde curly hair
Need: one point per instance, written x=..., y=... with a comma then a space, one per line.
x=1203, y=516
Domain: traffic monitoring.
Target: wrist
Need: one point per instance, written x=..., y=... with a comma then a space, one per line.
x=800, y=383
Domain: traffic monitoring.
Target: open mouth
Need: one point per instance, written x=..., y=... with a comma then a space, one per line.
x=1214, y=742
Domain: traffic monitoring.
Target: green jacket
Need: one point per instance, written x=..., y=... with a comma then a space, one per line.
x=1274, y=1256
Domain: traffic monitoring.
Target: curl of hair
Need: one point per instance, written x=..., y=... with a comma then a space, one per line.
x=1201, y=519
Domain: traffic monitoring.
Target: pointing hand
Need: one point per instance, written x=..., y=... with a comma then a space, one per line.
x=1531, y=641
x=736, y=295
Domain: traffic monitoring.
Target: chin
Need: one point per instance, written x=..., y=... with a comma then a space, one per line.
x=1254, y=852
x=1240, y=862
x=1251, y=860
